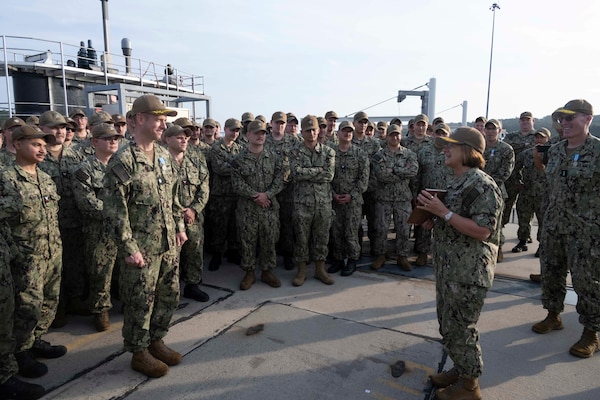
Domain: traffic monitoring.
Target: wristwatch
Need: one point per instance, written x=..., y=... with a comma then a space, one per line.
x=448, y=216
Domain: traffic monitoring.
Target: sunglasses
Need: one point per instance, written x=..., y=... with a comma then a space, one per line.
x=567, y=118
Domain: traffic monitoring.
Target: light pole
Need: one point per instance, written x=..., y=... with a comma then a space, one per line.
x=487, y=105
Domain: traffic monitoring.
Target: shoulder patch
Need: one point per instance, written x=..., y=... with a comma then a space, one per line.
x=471, y=196
x=81, y=175
x=121, y=172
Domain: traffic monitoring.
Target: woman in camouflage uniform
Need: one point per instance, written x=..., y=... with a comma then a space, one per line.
x=466, y=234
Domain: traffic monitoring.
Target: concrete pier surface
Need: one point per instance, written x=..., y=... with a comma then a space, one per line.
x=332, y=342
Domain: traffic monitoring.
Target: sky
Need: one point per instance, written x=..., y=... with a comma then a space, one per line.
x=309, y=56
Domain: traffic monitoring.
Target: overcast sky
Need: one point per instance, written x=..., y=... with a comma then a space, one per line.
x=345, y=55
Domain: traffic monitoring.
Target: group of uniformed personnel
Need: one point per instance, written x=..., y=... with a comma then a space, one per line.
x=134, y=194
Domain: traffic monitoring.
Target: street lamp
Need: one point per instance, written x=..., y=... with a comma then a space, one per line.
x=487, y=105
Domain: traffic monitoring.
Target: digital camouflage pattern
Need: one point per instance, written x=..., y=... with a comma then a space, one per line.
x=100, y=247
x=222, y=203
x=6, y=158
x=393, y=196
x=283, y=148
x=433, y=174
x=312, y=172
x=258, y=227
x=8, y=251
x=29, y=205
x=143, y=213
x=571, y=229
x=464, y=266
x=519, y=143
x=531, y=195
x=193, y=180
x=499, y=163
x=351, y=177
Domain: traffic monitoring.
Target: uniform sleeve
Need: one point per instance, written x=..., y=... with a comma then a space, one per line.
x=117, y=188
x=10, y=199
x=85, y=195
x=279, y=179
x=239, y=184
x=362, y=182
x=219, y=161
x=202, y=191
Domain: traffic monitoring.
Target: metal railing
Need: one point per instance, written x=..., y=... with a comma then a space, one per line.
x=70, y=60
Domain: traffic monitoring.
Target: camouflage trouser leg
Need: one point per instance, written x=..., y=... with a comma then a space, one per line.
x=399, y=211
x=74, y=262
x=8, y=364
x=509, y=202
x=525, y=211
x=311, y=226
x=422, y=240
x=286, y=228
x=560, y=253
x=37, y=288
x=150, y=296
x=344, y=231
x=460, y=307
x=259, y=229
x=192, y=252
x=102, y=253
x=221, y=215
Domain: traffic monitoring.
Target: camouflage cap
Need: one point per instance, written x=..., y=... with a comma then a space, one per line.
x=233, y=123
x=309, y=122
x=361, y=115
x=526, y=115
x=543, y=132
x=261, y=118
x=422, y=117
x=396, y=121
x=151, y=104
x=576, y=106
x=394, y=129
x=52, y=119
x=257, y=126
x=77, y=111
x=119, y=119
x=247, y=117
x=33, y=120
x=494, y=122
x=444, y=128
x=291, y=117
x=437, y=121
x=464, y=135
x=279, y=116
x=382, y=125
x=71, y=122
x=175, y=130
x=12, y=122
x=322, y=122
x=371, y=125
x=345, y=125
x=101, y=117
x=32, y=132
x=103, y=130
x=481, y=119
x=183, y=122
x=209, y=122
x=331, y=114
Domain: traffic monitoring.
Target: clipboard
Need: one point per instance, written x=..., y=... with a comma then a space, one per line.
x=418, y=216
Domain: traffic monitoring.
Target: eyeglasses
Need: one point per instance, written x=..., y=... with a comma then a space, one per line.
x=111, y=139
x=567, y=118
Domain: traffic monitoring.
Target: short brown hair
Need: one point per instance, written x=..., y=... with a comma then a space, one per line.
x=471, y=157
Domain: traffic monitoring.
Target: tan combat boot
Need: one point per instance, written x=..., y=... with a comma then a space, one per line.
x=551, y=323
x=421, y=259
x=248, y=280
x=160, y=351
x=101, y=321
x=321, y=274
x=500, y=257
x=403, y=263
x=378, y=263
x=445, y=378
x=142, y=361
x=300, y=275
x=587, y=345
x=270, y=279
x=463, y=389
